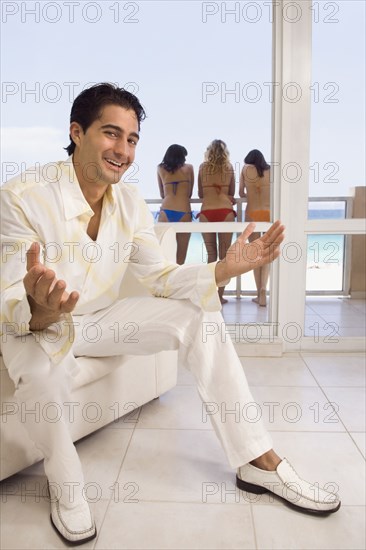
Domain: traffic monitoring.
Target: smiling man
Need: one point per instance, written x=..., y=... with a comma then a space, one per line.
x=74, y=205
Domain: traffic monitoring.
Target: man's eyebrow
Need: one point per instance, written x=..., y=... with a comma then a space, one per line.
x=118, y=129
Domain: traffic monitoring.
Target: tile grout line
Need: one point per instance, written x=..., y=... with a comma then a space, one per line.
x=253, y=526
x=116, y=480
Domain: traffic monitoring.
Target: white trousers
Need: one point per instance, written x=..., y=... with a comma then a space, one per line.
x=139, y=326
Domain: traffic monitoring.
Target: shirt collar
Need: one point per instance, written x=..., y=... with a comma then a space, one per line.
x=75, y=204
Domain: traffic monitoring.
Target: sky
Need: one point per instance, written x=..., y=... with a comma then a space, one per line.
x=202, y=70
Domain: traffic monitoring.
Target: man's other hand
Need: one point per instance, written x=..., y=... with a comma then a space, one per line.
x=243, y=256
x=47, y=296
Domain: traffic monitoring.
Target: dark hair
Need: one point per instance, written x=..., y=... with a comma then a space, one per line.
x=174, y=157
x=89, y=103
x=256, y=157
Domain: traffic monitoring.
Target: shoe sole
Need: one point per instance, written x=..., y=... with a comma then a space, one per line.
x=258, y=490
x=73, y=542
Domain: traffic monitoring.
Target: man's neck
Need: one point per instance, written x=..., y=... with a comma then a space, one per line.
x=93, y=191
x=94, y=196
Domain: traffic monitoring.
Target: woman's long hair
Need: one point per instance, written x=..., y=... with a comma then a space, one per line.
x=256, y=157
x=217, y=156
x=174, y=158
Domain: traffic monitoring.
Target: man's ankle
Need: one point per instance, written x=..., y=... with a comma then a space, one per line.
x=268, y=461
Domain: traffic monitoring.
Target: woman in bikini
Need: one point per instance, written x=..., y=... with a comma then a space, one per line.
x=216, y=186
x=176, y=179
x=255, y=186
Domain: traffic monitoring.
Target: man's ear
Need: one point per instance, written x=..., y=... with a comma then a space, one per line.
x=76, y=132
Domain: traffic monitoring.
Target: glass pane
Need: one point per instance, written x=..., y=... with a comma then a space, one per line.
x=337, y=145
x=336, y=286
x=325, y=209
x=325, y=263
x=201, y=69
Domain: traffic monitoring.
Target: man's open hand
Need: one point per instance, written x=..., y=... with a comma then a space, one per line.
x=46, y=295
x=243, y=256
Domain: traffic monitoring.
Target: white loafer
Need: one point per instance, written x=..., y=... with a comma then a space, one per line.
x=74, y=524
x=286, y=484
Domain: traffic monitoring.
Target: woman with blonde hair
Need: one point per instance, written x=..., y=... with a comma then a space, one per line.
x=175, y=179
x=216, y=188
x=255, y=186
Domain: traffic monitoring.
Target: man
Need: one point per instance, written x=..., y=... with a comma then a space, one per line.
x=72, y=205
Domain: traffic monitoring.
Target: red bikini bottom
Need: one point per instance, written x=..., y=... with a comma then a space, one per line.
x=217, y=214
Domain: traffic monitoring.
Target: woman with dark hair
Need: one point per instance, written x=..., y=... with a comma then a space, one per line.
x=216, y=186
x=255, y=186
x=176, y=179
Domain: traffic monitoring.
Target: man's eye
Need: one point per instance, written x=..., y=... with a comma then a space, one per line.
x=133, y=141
x=113, y=134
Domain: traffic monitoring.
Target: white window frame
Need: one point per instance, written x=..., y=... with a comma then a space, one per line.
x=292, y=54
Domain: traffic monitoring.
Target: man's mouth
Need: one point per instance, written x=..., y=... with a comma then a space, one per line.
x=114, y=162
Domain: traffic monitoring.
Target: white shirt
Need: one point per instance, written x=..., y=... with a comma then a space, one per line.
x=45, y=204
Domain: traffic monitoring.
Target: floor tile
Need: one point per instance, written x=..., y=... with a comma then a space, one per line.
x=180, y=408
x=126, y=422
x=359, y=305
x=317, y=309
x=315, y=326
x=277, y=371
x=352, y=319
x=26, y=525
x=173, y=526
x=292, y=409
x=329, y=305
x=351, y=406
x=282, y=528
x=352, y=331
x=185, y=378
x=360, y=439
x=177, y=465
x=101, y=456
x=331, y=371
x=244, y=310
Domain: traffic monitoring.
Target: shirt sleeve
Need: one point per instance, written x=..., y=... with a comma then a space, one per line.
x=166, y=279
x=17, y=234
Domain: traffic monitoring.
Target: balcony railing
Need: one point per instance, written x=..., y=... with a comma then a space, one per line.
x=344, y=211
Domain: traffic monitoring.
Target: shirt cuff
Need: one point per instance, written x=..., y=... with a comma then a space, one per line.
x=56, y=340
x=22, y=315
x=206, y=295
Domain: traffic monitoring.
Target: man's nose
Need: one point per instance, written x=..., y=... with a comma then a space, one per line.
x=121, y=148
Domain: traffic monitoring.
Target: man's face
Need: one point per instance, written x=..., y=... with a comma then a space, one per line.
x=107, y=149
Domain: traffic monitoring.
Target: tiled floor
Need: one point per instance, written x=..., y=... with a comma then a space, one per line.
x=159, y=479
x=324, y=316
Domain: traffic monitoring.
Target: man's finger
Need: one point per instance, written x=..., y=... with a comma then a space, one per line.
x=31, y=278
x=68, y=305
x=247, y=232
x=274, y=232
x=55, y=295
x=33, y=254
x=42, y=287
